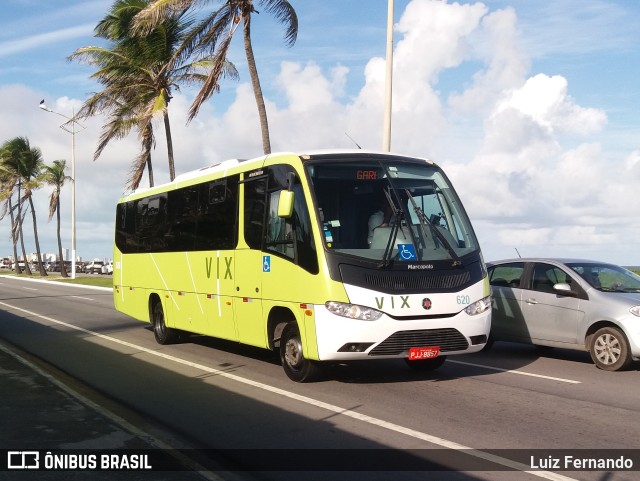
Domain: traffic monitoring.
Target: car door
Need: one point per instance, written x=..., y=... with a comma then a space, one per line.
x=507, y=321
x=550, y=315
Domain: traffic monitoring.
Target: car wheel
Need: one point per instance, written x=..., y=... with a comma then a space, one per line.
x=295, y=365
x=162, y=333
x=610, y=349
x=426, y=364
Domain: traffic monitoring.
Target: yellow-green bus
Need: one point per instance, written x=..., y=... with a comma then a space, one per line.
x=321, y=256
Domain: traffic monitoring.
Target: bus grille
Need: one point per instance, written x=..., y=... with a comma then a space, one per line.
x=423, y=282
x=448, y=339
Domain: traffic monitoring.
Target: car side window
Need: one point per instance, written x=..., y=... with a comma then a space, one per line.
x=545, y=276
x=506, y=275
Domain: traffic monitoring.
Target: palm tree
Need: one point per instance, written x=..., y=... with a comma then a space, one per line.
x=6, y=193
x=139, y=75
x=22, y=164
x=213, y=36
x=54, y=175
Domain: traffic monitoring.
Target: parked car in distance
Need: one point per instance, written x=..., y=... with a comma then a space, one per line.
x=21, y=265
x=568, y=303
x=55, y=266
x=107, y=268
x=94, y=267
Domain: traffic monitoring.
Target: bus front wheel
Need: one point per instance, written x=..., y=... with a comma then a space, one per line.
x=162, y=333
x=295, y=365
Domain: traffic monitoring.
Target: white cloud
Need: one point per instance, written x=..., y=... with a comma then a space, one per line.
x=546, y=102
x=11, y=47
x=497, y=44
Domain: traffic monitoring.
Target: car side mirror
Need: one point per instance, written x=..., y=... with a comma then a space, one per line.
x=564, y=289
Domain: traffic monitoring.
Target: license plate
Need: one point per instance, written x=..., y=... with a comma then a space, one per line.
x=417, y=353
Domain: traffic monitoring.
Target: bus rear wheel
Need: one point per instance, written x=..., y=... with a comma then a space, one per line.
x=162, y=333
x=295, y=365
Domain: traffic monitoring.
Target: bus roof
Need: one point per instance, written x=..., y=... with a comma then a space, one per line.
x=225, y=165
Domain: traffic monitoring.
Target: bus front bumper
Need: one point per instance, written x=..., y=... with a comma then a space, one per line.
x=341, y=338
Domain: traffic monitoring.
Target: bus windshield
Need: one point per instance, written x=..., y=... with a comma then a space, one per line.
x=390, y=211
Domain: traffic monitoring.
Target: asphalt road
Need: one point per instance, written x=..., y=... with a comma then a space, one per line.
x=475, y=415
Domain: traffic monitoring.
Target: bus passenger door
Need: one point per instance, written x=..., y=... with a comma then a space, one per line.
x=248, y=297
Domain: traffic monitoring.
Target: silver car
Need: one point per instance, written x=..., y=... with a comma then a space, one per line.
x=568, y=303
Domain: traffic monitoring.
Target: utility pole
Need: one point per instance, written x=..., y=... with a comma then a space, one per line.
x=386, y=141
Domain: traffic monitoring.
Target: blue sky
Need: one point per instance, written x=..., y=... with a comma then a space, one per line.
x=531, y=107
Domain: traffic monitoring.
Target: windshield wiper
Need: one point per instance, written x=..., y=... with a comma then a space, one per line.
x=422, y=217
x=398, y=215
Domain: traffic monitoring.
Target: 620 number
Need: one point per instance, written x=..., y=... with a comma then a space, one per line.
x=463, y=299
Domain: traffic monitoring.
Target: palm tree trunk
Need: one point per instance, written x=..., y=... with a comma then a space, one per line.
x=63, y=269
x=35, y=235
x=27, y=269
x=150, y=170
x=147, y=145
x=14, y=236
x=255, y=81
x=167, y=130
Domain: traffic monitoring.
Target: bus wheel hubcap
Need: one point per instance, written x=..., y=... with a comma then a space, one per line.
x=293, y=352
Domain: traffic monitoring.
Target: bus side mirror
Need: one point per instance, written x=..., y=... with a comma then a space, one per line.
x=285, y=204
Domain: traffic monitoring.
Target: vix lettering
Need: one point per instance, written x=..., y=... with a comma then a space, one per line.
x=401, y=301
x=227, y=272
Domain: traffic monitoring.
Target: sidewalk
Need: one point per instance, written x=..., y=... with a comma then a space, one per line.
x=42, y=411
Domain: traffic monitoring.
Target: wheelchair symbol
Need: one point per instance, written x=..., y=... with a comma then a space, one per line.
x=407, y=252
x=266, y=263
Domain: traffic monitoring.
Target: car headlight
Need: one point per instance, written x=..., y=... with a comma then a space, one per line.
x=478, y=307
x=353, y=311
x=635, y=310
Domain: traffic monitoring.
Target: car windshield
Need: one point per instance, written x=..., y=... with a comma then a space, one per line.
x=390, y=210
x=607, y=277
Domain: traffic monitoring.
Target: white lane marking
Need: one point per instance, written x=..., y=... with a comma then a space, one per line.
x=85, y=298
x=123, y=423
x=314, y=402
x=30, y=288
x=52, y=282
x=513, y=371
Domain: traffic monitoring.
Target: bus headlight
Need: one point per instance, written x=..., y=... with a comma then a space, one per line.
x=353, y=311
x=635, y=310
x=478, y=307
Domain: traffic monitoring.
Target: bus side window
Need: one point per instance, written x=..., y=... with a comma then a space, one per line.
x=279, y=232
x=126, y=239
x=217, y=210
x=254, y=211
x=290, y=238
x=151, y=222
x=183, y=218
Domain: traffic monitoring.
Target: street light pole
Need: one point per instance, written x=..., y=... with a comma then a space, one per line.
x=386, y=140
x=70, y=126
